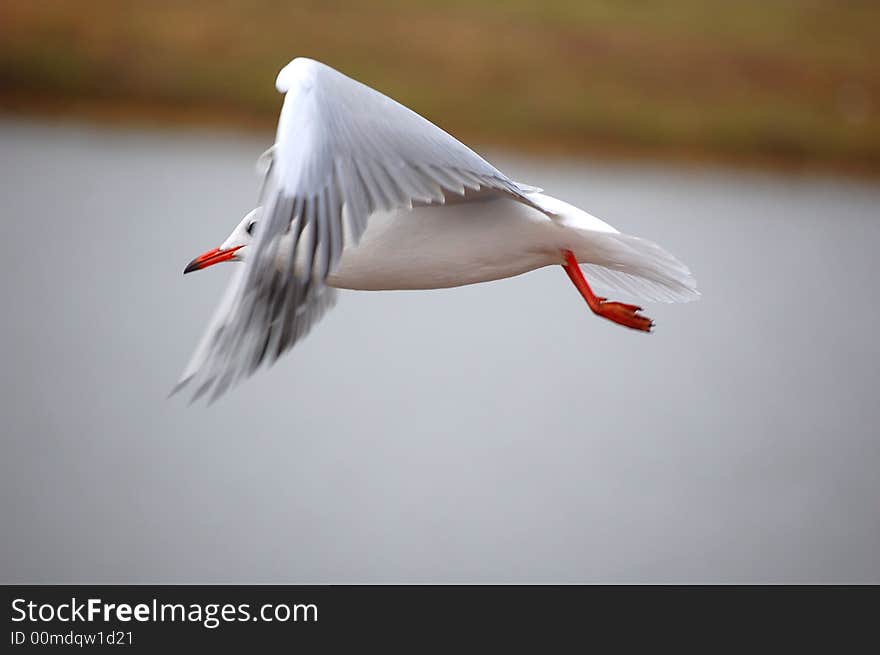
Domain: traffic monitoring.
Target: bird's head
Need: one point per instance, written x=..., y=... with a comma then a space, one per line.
x=234, y=249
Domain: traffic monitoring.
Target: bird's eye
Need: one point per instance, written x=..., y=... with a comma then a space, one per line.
x=250, y=227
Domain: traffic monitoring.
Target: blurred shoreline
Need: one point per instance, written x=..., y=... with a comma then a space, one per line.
x=767, y=84
x=138, y=116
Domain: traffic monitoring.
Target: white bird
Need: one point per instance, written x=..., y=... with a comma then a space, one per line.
x=360, y=192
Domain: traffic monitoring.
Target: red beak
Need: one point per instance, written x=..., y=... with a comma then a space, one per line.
x=210, y=258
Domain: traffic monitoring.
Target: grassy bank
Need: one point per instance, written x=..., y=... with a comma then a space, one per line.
x=788, y=81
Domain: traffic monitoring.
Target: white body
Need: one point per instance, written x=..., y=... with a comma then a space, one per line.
x=459, y=243
x=437, y=246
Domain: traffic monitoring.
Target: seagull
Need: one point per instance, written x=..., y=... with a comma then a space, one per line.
x=360, y=192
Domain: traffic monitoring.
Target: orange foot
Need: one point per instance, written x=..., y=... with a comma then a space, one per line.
x=623, y=314
x=618, y=312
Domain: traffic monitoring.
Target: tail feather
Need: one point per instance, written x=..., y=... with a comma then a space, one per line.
x=638, y=267
x=620, y=262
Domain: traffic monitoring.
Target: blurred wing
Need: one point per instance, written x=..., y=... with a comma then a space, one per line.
x=294, y=324
x=342, y=152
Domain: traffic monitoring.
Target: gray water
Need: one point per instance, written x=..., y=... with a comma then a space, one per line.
x=497, y=433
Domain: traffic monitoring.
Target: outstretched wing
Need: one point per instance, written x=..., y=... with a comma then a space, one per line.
x=342, y=152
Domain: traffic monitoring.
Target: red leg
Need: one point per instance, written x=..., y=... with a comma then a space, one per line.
x=619, y=312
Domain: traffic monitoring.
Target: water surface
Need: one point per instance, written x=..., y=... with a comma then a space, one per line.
x=498, y=432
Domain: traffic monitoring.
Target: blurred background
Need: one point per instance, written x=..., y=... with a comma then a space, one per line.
x=791, y=81
x=494, y=433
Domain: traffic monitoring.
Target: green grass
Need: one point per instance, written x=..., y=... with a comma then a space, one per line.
x=788, y=81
